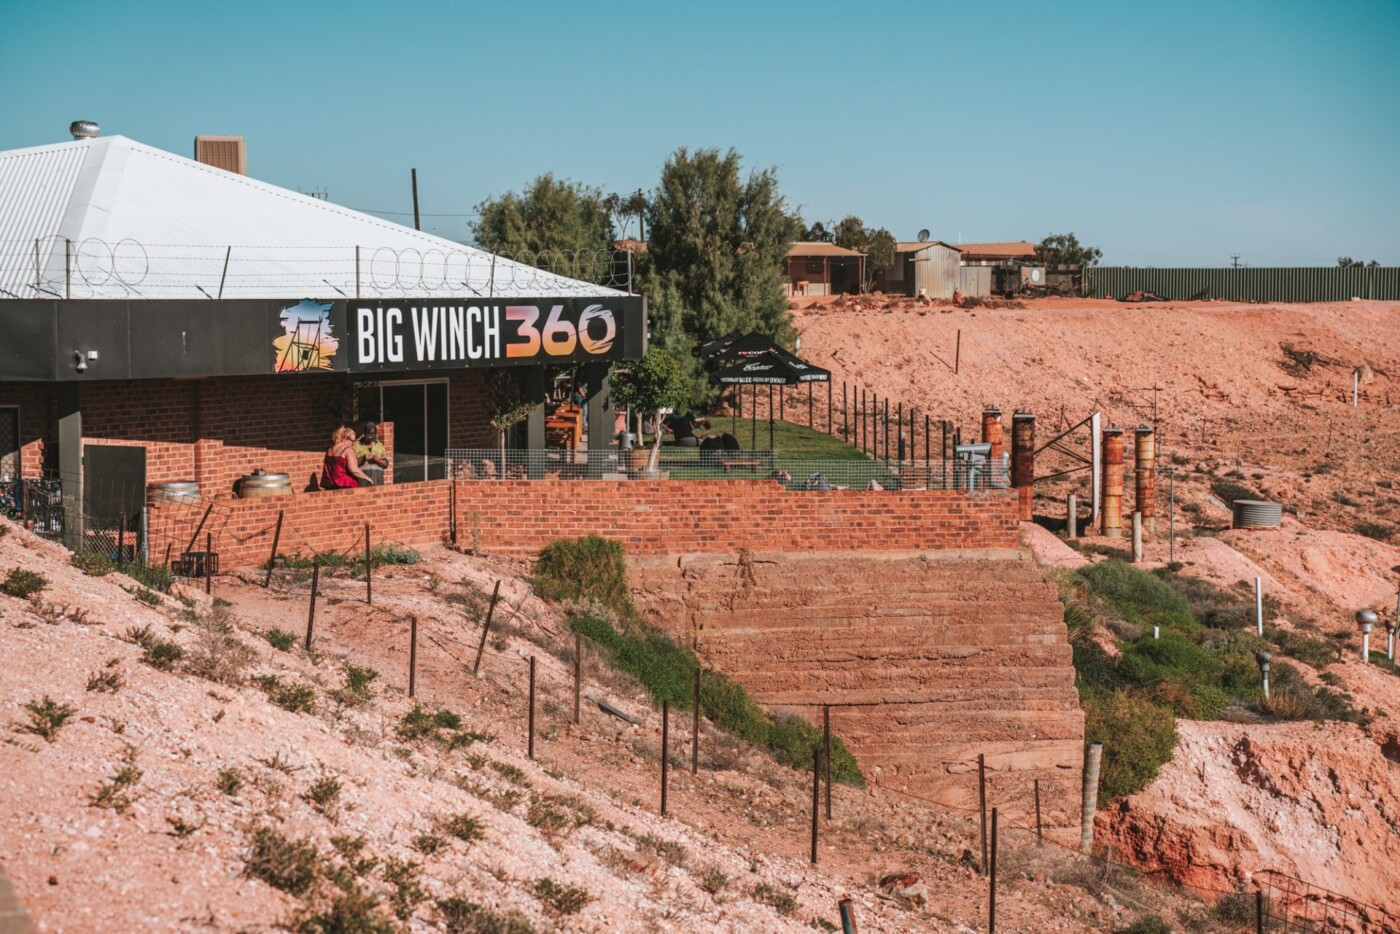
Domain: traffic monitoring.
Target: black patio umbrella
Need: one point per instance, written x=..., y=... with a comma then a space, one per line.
x=749, y=345
x=712, y=348
x=774, y=367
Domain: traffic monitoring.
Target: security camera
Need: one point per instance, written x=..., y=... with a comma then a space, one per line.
x=81, y=365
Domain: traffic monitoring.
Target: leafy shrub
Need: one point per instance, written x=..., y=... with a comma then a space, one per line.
x=1094, y=669
x=1377, y=530
x=463, y=916
x=357, y=690
x=148, y=597
x=406, y=892
x=298, y=698
x=1319, y=653
x=92, y=563
x=324, y=793
x=23, y=583
x=667, y=670
x=588, y=568
x=781, y=902
x=1139, y=597
x=1218, y=607
x=1292, y=698
x=162, y=654
x=155, y=576
x=289, y=865
x=1137, y=736
x=463, y=827
x=106, y=681
x=429, y=844
x=229, y=782
x=218, y=654
x=279, y=640
x=1181, y=671
x=114, y=794
x=47, y=717
x=713, y=880
x=1148, y=924
x=560, y=898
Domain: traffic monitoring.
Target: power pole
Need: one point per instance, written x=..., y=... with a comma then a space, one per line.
x=414, y=175
x=1235, y=260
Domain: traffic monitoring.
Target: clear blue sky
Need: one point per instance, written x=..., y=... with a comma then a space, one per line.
x=1165, y=133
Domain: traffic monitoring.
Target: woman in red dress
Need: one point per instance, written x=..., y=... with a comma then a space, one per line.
x=342, y=468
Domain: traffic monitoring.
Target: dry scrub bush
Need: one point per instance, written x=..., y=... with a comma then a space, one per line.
x=217, y=654
x=47, y=717
x=283, y=863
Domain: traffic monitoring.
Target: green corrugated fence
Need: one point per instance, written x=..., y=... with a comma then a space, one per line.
x=1254, y=284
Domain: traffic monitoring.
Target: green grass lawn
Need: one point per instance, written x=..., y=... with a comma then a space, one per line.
x=798, y=450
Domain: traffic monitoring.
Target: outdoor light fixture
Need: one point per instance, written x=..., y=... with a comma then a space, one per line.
x=1366, y=619
x=80, y=361
x=1264, y=659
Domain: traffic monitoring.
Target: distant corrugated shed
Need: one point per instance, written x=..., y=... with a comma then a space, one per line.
x=1006, y=250
x=820, y=249
x=143, y=223
x=1252, y=284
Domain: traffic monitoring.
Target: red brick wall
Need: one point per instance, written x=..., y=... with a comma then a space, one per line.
x=38, y=429
x=469, y=425
x=518, y=517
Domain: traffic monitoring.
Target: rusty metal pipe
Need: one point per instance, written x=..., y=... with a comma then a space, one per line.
x=992, y=434
x=1145, y=476
x=1112, y=507
x=1023, y=460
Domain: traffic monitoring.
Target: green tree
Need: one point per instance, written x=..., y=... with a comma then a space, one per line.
x=715, y=255
x=1346, y=262
x=508, y=403
x=817, y=233
x=1065, y=250
x=548, y=216
x=651, y=384
x=877, y=244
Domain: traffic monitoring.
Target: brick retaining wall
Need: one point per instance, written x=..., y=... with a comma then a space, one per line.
x=518, y=517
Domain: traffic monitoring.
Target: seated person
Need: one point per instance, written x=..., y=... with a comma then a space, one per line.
x=683, y=428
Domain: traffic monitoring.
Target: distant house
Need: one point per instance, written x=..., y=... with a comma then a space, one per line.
x=996, y=254
x=823, y=269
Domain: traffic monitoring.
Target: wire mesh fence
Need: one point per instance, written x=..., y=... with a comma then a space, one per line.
x=56, y=267
x=678, y=463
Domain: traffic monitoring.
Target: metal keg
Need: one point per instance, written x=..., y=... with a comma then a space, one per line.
x=259, y=483
x=175, y=492
x=1256, y=514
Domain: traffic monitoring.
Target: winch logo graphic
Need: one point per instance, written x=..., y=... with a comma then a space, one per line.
x=308, y=341
x=757, y=367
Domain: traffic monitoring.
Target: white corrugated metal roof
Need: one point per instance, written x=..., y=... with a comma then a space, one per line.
x=114, y=218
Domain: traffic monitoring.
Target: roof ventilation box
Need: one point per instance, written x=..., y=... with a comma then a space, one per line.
x=229, y=153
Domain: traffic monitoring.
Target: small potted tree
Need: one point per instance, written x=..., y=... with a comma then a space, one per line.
x=508, y=402
x=652, y=384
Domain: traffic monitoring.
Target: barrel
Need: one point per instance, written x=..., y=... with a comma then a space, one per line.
x=258, y=483
x=1256, y=514
x=175, y=492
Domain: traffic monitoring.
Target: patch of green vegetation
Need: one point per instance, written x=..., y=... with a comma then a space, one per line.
x=157, y=577
x=1137, y=736
x=1178, y=672
x=463, y=916
x=1377, y=530
x=298, y=698
x=1291, y=698
x=229, y=781
x=357, y=691
x=162, y=654
x=1139, y=597
x=283, y=863
x=560, y=898
x=279, y=640
x=591, y=568
x=338, y=563
x=772, y=896
x=114, y=794
x=1148, y=924
x=92, y=563
x=47, y=717
x=1319, y=653
x=464, y=827
x=324, y=793
x=667, y=671
x=148, y=597
x=23, y=583
x=439, y=725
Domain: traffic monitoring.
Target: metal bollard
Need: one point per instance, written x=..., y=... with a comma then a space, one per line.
x=1072, y=512
x=1137, y=537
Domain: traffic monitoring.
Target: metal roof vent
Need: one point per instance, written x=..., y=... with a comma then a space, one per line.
x=84, y=129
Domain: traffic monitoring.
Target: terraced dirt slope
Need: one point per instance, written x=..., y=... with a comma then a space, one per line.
x=927, y=660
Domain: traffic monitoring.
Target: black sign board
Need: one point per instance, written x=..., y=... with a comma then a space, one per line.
x=74, y=340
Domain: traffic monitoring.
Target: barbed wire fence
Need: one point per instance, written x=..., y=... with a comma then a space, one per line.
x=55, y=267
